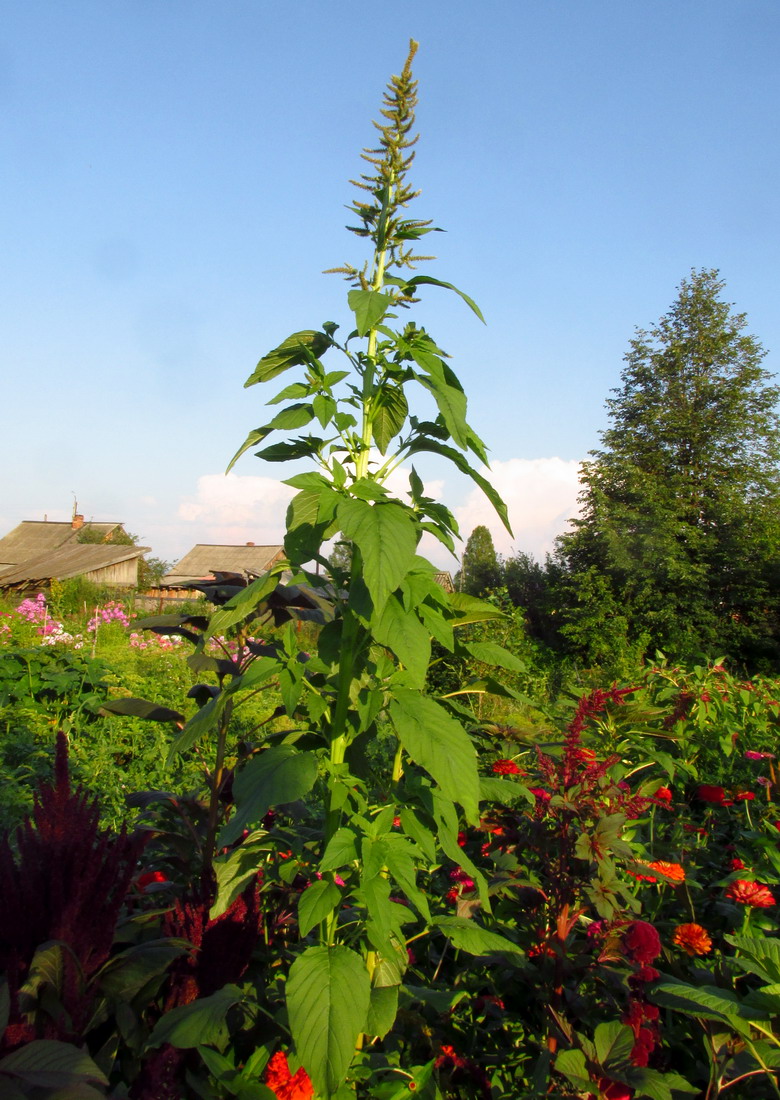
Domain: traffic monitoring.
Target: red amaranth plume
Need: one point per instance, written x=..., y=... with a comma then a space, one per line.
x=66, y=882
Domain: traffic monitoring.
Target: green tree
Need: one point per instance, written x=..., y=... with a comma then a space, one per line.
x=679, y=524
x=480, y=567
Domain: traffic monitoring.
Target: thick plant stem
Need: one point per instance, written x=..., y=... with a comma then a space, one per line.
x=216, y=785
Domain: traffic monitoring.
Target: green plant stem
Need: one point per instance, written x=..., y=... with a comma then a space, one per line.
x=216, y=785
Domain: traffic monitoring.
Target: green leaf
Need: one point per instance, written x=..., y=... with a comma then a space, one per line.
x=405, y=635
x=489, y=653
x=410, y=286
x=571, y=1064
x=388, y=415
x=438, y=742
x=469, y=609
x=328, y=996
x=382, y=1010
x=127, y=974
x=315, y=904
x=200, y=1023
x=244, y=604
x=369, y=307
x=707, y=1004
x=304, y=447
x=450, y=399
x=271, y=778
x=424, y=443
x=493, y=789
x=234, y=873
x=387, y=538
x=340, y=851
x=296, y=350
x=50, y=1064
x=141, y=708
x=200, y=723
x=614, y=1043
x=468, y=936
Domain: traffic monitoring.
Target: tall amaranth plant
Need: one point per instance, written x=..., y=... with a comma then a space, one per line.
x=379, y=831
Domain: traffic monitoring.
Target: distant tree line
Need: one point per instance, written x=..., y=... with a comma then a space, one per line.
x=677, y=546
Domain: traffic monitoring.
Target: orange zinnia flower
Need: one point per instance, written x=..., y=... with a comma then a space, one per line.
x=692, y=938
x=751, y=893
x=670, y=870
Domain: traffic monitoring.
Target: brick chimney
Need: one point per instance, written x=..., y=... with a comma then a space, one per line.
x=250, y=544
x=77, y=522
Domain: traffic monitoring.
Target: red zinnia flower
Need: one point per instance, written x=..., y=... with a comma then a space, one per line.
x=751, y=893
x=506, y=767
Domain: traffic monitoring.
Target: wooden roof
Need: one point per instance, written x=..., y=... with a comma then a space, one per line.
x=77, y=560
x=33, y=537
x=204, y=559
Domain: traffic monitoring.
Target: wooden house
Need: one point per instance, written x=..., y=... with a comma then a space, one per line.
x=33, y=538
x=204, y=560
x=105, y=565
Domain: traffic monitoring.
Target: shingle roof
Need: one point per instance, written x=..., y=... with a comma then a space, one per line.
x=34, y=537
x=203, y=560
x=69, y=561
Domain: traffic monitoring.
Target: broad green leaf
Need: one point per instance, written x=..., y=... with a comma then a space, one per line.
x=388, y=415
x=422, y=443
x=382, y=1010
x=340, y=851
x=297, y=349
x=469, y=609
x=200, y=1023
x=50, y=1064
x=290, y=393
x=316, y=903
x=323, y=407
x=369, y=307
x=759, y=956
x=493, y=789
x=614, y=1043
x=328, y=996
x=401, y=866
x=310, y=480
x=489, y=653
x=127, y=974
x=438, y=742
x=271, y=778
x=141, y=708
x=405, y=635
x=708, y=1004
x=235, y=871
x=572, y=1065
x=387, y=538
x=472, y=938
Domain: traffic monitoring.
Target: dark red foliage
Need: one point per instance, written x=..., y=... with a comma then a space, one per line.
x=66, y=882
x=223, y=947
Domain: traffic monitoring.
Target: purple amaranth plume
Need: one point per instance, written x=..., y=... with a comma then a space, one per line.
x=65, y=881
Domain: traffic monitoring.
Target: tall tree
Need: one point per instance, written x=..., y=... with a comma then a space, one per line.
x=480, y=568
x=678, y=535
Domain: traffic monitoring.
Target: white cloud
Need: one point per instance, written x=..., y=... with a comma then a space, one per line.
x=233, y=509
x=541, y=496
x=540, y=493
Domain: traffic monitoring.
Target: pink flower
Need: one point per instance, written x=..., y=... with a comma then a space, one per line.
x=751, y=754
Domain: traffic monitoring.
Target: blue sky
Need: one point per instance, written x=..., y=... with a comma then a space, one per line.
x=174, y=183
